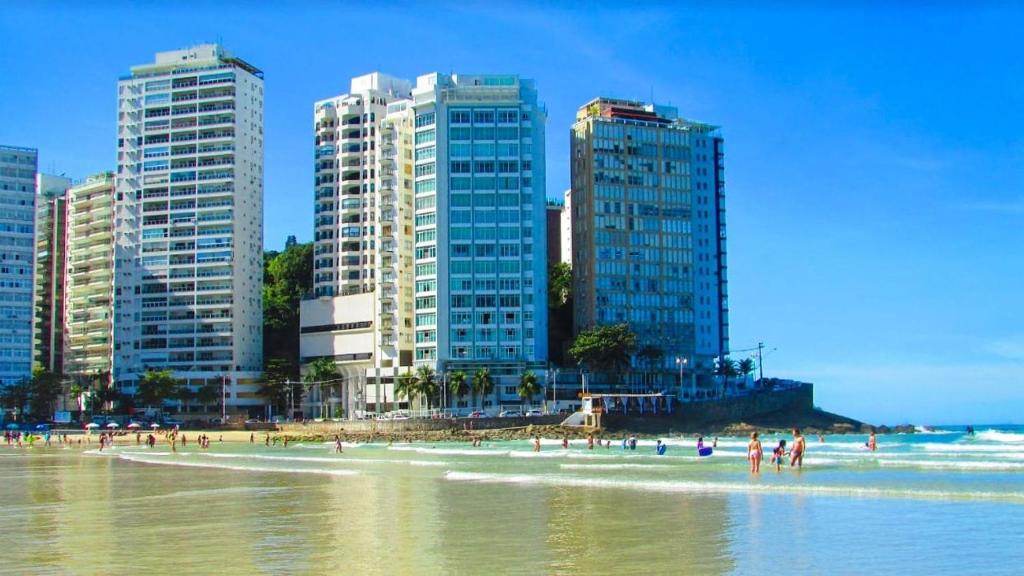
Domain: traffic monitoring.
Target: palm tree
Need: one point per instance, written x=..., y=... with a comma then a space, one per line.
x=726, y=369
x=322, y=371
x=482, y=384
x=457, y=384
x=528, y=386
x=406, y=386
x=745, y=367
x=426, y=383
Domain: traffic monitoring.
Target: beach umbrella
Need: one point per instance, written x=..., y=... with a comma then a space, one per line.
x=154, y=425
x=135, y=425
x=92, y=425
x=112, y=425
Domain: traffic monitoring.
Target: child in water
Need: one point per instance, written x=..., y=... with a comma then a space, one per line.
x=778, y=455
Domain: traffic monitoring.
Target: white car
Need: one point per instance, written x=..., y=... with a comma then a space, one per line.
x=510, y=414
x=533, y=413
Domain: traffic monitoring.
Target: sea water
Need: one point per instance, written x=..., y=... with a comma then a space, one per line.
x=935, y=502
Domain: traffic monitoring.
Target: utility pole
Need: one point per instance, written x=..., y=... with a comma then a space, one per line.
x=760, y=364
x=223, y=399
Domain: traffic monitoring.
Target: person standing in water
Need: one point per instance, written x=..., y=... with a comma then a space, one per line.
x=590, y=441
x=872, y=443
x=337, y=444
x=754, y=453
x=536, y=444
x=796, y=453
x=778, y=455
x=565, y=442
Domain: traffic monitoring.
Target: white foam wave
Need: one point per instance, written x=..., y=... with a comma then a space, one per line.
x=953, y=465
x=194, y=464
x=969, y=447
x=615, y=466
x=451, y=451
x=997, y=436
x=682, y=486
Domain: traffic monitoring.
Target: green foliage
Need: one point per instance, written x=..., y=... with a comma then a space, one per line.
x=208, y=393
x=45, y=388
x=426, y=384
x=528, y=386
x=16, y=396
x=287, y=277
x=457, y=384
x=155, y=386
x=280, y=380
x=746, y=366
x=483, y=384
x=406, y=386
x=559, y=285
x=604, y=348
x=321, y=370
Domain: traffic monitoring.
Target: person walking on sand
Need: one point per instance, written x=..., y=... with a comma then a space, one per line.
x=536, y=443
x=872, y=443
x=754, y=453
x=796, y=453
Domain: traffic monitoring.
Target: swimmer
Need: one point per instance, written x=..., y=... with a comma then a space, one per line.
x=754, y=453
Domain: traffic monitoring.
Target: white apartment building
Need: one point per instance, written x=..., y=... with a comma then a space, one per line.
x=361, y=315
x=89, y=280
x=18, y=167
x=565, y=228
x=189, y=222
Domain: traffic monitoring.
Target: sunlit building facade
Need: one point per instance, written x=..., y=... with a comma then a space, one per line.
x=18, y=167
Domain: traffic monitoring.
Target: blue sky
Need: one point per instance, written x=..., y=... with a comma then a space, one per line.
x=875, y=206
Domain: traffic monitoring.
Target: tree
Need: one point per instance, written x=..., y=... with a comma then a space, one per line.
x=320, y=372
x=279, y=384
x=16, y=396
x=406, y=386
x=76, y=390
x=457, y=384
x=207, y=394
x=604, y=348
x=726, y=369
x=559, y=285
x=426, y=383
x=287, y=278
x=183, y=394
x=745, y=367
x=104, y=397
x=482, y=384
x=528, y=386
x=44, y=389
x=155, y=386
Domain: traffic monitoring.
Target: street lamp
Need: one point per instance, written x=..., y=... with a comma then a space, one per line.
x=682, y=364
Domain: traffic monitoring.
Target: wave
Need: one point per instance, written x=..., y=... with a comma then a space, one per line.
x=953, y=465
x=616, y=466
x=194, y=464
x=998, y=436
x=967, y=448
x=693, y=487
x=451, y=451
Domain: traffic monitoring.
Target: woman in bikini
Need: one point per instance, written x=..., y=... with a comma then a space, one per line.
x=796, y=454
x=754, y=453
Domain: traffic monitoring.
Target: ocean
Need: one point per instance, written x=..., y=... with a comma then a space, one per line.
x=934, y=502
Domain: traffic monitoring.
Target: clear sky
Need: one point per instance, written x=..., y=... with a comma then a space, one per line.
x=873, y=155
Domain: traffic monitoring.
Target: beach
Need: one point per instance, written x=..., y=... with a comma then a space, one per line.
x=922, y=503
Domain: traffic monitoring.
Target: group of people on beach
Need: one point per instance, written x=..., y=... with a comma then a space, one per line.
x=755, y=452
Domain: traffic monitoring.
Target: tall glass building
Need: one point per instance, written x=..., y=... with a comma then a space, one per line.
x=648, y=235
x=18, y=167
x=480, y=242
x=189, y=222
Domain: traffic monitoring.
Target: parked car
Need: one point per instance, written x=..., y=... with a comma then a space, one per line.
x=533, y=413
x=510, y=414
x=172, y=422
x=478, y=414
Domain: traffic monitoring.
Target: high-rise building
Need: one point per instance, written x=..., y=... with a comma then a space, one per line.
x=480, y=237
x=648, y=245
x=554, y=231
x=18, y=167
x=361, y=314
x=189, y=222
x=48, y=332
x=565, y=229
x=89, y=280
